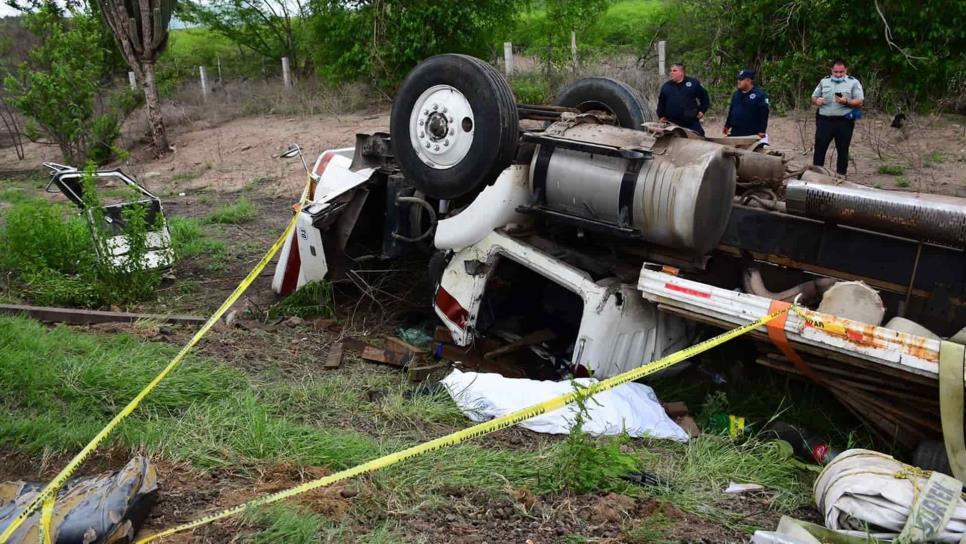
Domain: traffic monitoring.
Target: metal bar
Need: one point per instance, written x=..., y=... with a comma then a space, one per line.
x=74, y=316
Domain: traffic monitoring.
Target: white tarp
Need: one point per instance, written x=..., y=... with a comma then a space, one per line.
x=863, y=490
x=631, y=407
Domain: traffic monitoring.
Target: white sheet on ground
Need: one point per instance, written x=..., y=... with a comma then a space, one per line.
x=632, y=407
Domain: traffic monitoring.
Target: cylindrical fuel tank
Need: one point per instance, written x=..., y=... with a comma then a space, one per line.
x=680, y=198
x=932, y=218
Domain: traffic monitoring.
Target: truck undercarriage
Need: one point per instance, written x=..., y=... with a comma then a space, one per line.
x=611, y=238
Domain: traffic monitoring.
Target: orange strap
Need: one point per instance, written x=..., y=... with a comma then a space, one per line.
x=776, y=333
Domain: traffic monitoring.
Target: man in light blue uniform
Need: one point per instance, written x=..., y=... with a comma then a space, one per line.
x=839, y=98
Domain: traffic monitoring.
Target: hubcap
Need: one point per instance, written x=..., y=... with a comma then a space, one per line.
x=441, y=127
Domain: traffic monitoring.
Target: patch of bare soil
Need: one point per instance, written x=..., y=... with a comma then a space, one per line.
x=931, y=150
x=609, y=517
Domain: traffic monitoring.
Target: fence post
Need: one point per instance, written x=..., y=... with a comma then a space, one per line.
x=286, y=73
x=133, y=81
x=661, y=56
x=508, y=57
x=219, y=69
x=573, y=48
x=204, y=82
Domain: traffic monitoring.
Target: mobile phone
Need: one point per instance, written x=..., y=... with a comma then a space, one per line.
x=838, y=95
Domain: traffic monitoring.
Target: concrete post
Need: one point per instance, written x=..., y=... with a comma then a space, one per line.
x=286, y=73
x=204, y=82
x=661, y=58
x=508, y=57
x=573, y=48
x=133, y=81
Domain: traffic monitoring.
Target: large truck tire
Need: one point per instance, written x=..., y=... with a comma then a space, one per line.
x=609, y=95
x=454, y=125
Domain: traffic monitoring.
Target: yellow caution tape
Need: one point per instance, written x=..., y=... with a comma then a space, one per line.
x=830, y=326
x=476, y=430
x=49, y=492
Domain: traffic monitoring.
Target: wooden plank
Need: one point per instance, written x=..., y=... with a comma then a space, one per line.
x=398, y=344
x=387, y=356
x=75, y=316
x=536, y=337
x=334, y=358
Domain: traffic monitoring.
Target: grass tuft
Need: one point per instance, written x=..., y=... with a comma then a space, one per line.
x=241, y=211
x=314, y=299
x=891, y=169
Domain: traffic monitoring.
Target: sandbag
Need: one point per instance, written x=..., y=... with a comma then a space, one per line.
x=863, y=492
x=103, y=509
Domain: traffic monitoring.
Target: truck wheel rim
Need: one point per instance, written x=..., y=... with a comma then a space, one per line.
x=441, y=127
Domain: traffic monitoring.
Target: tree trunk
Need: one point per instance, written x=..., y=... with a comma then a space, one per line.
x=155, y=120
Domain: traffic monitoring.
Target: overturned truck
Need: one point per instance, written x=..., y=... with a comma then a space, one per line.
x=622, y=235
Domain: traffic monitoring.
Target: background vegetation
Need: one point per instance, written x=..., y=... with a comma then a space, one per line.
x=344, y=53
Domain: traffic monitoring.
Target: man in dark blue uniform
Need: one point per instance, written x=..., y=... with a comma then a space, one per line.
x=683, y=100
x=748, y=114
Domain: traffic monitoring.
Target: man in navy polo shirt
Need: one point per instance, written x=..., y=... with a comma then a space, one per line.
x=683, y=100
x=748, y=114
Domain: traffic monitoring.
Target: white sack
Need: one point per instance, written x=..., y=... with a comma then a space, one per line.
x=631, y=407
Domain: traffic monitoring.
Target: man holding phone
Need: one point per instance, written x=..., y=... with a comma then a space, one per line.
x=839, y=98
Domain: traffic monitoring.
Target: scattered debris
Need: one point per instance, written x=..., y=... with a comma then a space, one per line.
x=537, y=337
x=632, y=408
x=334, y=358
x=387, y=356
x=294, y=321
x=416, y=337
x=93, y=509
x=735, y=488
x=50, y=314
x=643, y=479
x=419, y=373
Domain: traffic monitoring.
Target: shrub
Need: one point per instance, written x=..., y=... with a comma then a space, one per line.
x=50, y=251
x=104, y=132
x=530, y=89
x=313, y=299
x=58, y=90
x=891, y=169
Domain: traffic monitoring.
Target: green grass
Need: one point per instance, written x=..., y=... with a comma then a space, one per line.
x=59, y=386
x=902, y=181
x=241, y=211
x=313, y=299
x=188, y=240
x=891, y=169
x=935, y=158
x=620, y=24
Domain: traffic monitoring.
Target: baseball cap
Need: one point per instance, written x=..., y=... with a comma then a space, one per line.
x=746, y=74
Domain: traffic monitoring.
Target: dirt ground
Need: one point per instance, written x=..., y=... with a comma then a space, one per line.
x=213, y=163
x=243, y=152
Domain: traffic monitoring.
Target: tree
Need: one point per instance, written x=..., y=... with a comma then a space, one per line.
x=384, y=39
x=272, y=28
x=59, y=88
x=141, y=30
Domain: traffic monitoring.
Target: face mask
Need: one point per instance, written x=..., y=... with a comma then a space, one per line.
x=838, y=79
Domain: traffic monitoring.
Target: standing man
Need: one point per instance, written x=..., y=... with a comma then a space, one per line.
x=683, y=100
x=748, y=113
x=838, y=97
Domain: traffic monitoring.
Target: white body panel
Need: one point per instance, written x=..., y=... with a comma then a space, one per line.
x=333, y=179
x=618, y=330
x=872, y=343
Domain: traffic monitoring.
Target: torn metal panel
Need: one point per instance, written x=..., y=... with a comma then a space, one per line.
x=159, y=253
x=618, y=329
x=869, y=342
